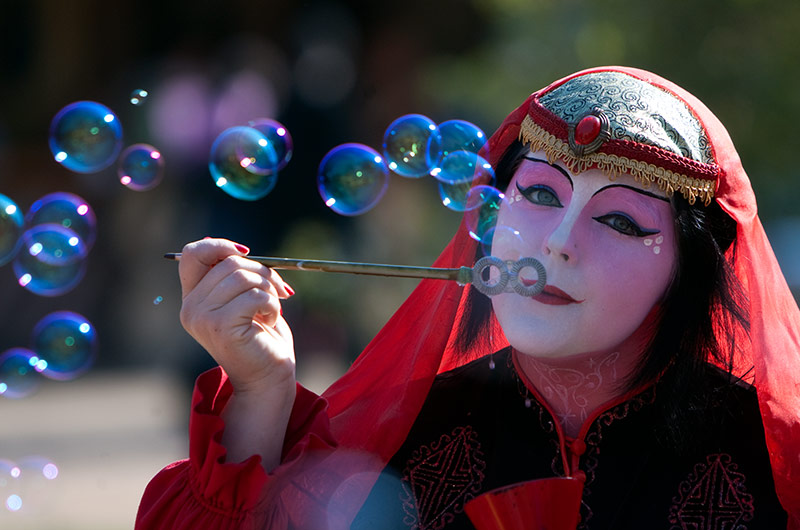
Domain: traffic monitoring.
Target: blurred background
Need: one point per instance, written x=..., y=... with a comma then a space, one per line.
x=78, y=453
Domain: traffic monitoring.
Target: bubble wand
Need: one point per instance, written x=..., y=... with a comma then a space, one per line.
x=507, y=281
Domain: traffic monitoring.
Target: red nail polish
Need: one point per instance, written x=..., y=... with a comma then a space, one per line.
x=288, y=289
x=207, y=237
x=241, y=248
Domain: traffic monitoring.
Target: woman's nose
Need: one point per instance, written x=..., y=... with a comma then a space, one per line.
x=561, y=240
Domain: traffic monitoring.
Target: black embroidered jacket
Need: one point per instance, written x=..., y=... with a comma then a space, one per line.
x=479, y=430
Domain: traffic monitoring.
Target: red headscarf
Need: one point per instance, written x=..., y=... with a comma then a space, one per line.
x=373, y=406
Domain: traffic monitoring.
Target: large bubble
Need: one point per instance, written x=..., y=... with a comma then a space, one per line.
x=242, y=162
x=19, y=373
x=412, y=145
x=460, y=135
x=51, y=261
x=66, y=342
x=67, y=210
x=141, y=167
x=280, y=140
x=352, y=178
x=85, y=137
x=459, y=172
x=11, y=228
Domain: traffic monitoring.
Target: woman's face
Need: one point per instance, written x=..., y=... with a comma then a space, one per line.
x=608, y=247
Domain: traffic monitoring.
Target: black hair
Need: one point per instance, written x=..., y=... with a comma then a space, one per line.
x=703, y=296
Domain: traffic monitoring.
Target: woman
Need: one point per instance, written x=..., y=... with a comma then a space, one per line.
x=662, y=292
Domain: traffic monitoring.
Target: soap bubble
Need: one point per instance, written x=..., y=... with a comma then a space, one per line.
x=460, y=135
x=458, y=173
x=85, y=137
x=352, y=178
x=51, y=261
x=141, y=167
x=67, y=210
x=66, y=341
x=482, y=206
x=19, y=373
x=412, y=145
x=280, y=140
x=139, y=96
x=11, y=228
x=232, y=154
x=507, y=236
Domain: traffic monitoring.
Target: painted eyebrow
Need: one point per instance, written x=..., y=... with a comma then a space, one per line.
x=637, y=190
x=559, y=168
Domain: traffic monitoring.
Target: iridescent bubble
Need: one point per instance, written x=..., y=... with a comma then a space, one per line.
x=19, y=373
x=11, y=228
x=507, y=236
x=141, y=167
x=85, y=137
x=158, y=300
x=458, y=135
x=67, y=210
x=352, y=178
x=139, y=96
x=412, y=145
x=232, y=154
x=67, y=342
x=280, y=140
x=51, y=261
x=458, y=173
x=482, y=206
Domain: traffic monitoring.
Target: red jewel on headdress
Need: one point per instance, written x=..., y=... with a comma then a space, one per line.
x=588, y=129
x=589, y=134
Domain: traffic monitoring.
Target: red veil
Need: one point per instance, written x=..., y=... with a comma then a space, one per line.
x=373, y=406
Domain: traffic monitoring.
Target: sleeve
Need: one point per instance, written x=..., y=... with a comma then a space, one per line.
x=207, y=492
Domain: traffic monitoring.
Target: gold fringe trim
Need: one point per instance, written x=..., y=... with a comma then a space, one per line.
x=692, y=189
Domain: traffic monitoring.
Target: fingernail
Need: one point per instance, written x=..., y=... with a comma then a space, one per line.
x=241, y=248
x=288, y=289
x=207, y=237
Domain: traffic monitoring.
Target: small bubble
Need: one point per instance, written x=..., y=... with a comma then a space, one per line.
x=11, y=228
x=412, y=145
x=68, y=210
x=14, y=503
x=138, y=96
x=250, y=180
x=158, y=300
x=66, y=342
x=141, y=167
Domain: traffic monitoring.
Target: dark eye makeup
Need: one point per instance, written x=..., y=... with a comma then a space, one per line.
x=541, y=195
x=624, y=224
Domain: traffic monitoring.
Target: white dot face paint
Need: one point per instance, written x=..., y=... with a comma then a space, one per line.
x=609, y=250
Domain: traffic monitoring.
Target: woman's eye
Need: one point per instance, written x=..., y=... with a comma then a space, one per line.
x=540, y=194
x=624, y=225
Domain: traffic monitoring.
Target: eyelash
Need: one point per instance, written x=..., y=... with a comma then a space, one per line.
x=530, y=194
x=632, y=229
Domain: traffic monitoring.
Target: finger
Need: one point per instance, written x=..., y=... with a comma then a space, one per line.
x=236, y=273
x=234, y=284
x=198, y=257
x=249, y=307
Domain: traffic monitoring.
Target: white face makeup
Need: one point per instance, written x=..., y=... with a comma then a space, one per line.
x=609, y=250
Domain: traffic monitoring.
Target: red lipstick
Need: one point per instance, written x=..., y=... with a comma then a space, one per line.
x=552, y=295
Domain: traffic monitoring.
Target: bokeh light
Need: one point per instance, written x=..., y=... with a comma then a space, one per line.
x=85, y=137
x=51, y=261
x=11, y=228
x=67, y=342
x=352, y=178
x=232, y=154
x=139, y=96
x=461, y=135
x=67, y=210
x=19, y=373
x=279, y=138
x=141, y=167
x=412, y=145
x=482, y=206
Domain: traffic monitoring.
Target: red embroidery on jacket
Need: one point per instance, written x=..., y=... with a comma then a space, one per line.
x=712, y=497
x=439, y=479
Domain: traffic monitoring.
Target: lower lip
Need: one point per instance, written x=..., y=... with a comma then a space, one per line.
x=549, y=299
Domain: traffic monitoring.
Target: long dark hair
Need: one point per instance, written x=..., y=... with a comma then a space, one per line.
x=700, y=319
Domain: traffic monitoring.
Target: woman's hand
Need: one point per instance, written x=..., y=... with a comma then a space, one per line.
x=231, y=306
